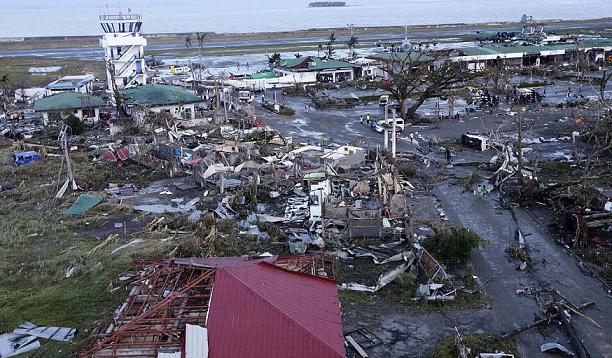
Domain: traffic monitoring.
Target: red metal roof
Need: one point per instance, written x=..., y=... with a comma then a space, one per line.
x=265, y=311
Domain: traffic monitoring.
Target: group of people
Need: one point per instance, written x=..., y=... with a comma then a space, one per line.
x=366, y=120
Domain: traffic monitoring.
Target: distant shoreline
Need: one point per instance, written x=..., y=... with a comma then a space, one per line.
x=603, y=25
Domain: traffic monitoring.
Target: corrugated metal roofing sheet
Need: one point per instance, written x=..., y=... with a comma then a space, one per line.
x=83, y=204
x=265, y=311
x=196, y=342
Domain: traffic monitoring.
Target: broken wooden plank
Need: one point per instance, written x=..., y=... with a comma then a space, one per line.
x=356, y=346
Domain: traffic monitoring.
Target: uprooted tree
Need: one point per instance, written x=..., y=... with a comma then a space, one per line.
x=421, y=75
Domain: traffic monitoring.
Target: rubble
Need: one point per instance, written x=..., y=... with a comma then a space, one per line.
x=25, y=338
x=216, y=174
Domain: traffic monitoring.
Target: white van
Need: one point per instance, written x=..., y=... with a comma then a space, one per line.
x=476, y=141
x=245, y=96
x=383, y=101
x=399, y=123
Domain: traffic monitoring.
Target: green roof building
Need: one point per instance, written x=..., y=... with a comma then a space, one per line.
x=84, y=106
x=158, y=95
x=140, y=100
x=314, y=69
x=477, y=57
x=402, y=57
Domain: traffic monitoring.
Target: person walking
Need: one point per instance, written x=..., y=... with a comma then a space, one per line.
x=448, y=155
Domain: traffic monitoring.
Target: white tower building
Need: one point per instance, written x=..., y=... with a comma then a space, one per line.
x=124, y=49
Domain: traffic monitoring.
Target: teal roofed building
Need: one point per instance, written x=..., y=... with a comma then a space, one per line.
x=86, y=107
x=416, y=57
x=179, y=102
x=313, y=69
x=477, y=57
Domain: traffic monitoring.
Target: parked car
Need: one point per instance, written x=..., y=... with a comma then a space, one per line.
x=23, y=158
x=399, y=123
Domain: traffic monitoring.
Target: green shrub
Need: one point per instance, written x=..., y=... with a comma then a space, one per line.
x=453, y=246
x=283, y=110
x=76, y=125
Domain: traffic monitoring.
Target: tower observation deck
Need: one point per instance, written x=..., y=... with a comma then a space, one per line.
x=123, y=46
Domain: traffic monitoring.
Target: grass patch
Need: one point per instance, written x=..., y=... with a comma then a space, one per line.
x=17, y=69
x=322, y=103
x=478, y=343
x=38, y=244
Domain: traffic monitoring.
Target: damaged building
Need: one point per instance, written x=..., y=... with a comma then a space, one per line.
x=266, y=306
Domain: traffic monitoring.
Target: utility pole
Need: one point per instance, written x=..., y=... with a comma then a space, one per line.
x=394, y=133
x=63, y=139
x=385, y=125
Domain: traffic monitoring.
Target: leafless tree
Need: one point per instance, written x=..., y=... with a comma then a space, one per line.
x=423, y=75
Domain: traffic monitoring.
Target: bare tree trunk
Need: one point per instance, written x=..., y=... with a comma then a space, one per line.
x=410, y=113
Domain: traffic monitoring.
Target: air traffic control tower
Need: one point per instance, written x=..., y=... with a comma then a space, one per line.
x=123, y=50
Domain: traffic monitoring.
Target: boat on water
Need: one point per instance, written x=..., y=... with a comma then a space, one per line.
x=327, y=4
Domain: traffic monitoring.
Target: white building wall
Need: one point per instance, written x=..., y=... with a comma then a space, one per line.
x=176, y=110
x=125, y=51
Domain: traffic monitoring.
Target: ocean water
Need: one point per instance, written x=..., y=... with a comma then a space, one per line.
x=24, y=18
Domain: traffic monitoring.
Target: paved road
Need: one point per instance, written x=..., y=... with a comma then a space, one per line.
x=553, y=268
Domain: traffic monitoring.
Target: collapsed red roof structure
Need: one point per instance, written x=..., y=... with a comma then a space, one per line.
x=261, y=307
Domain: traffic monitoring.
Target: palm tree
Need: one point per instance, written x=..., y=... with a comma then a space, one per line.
x=274, y=60
x=352, y=43
x=330, y=45
x=189, y=45
x=200, y=38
